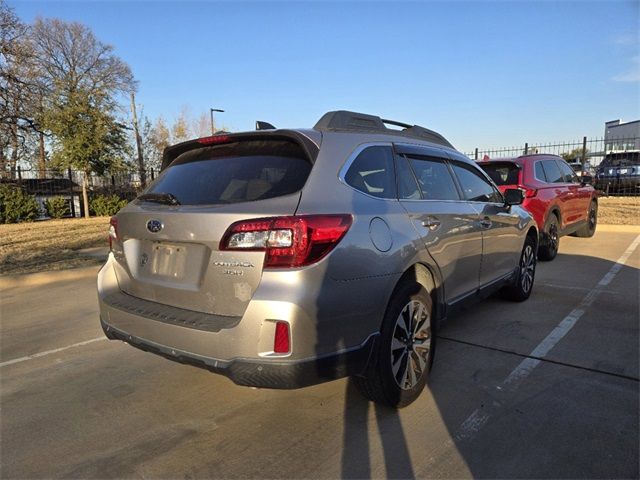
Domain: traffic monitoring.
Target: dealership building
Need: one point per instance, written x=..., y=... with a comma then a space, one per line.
x=621, y=136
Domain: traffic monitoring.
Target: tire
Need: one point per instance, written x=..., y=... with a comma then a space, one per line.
x=401, y=364
x=521, y=289
x=550, y=241
x=592, y=221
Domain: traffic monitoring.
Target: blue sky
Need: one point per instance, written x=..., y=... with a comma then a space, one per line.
x=484, y=74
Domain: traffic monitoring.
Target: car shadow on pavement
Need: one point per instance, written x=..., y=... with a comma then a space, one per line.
x=356, y=445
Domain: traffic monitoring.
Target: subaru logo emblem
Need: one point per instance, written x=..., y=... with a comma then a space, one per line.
x=154, y=226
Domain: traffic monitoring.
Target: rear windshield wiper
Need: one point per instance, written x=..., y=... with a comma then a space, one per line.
x=161, y=197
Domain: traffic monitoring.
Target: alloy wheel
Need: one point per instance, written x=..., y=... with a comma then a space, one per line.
x=527, y=268
x=553, y=236
x=411, y=344
x=592, y=216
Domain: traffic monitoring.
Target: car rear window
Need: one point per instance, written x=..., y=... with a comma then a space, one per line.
x=502, y=173
x=232, y=173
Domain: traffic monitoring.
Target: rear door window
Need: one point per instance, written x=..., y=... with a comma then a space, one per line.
x=434, y=179
x=476, y=188
x=372, y=172
x=552, y=171
x=567, y=172
x=232, y=173
x=407, y=183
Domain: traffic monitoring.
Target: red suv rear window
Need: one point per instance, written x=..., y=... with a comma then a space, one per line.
x=502, y=173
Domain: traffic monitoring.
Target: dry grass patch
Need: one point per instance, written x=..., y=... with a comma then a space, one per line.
x=50, y=244
x=619, y=210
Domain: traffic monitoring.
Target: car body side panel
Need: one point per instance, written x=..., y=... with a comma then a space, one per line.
x=455, y=243
x=502, y=241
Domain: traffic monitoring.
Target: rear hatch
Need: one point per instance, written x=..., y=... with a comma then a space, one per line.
x=504, y=174
x=167, y=246
x=620, y=165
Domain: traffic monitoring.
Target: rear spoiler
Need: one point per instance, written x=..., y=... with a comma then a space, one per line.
x=174, y=151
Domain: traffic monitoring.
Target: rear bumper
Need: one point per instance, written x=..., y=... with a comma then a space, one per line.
x=263, y=374
x=241, y=347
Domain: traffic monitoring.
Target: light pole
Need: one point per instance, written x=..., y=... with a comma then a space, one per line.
x=211, y=111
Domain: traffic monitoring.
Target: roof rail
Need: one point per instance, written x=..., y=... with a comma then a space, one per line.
x=342, y=120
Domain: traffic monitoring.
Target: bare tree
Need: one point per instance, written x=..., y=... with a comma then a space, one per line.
x=202, y=126
x=20, y=91
x=155, y=138
x=180, y=130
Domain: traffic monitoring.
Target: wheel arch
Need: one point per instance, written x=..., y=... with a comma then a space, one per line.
x=428, y=278
x=555, y=210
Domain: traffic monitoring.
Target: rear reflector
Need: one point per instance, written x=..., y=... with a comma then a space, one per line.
x=281, y=342
x=292, y=241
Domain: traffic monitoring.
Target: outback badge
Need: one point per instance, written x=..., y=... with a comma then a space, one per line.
x=154, y=226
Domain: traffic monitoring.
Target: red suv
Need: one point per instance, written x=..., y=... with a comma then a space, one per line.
x=559, y=201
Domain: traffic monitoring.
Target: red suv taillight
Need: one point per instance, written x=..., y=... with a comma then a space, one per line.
x=528, y=191
x=293, y=241
x=113, y=231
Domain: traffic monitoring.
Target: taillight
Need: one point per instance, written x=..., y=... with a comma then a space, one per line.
x=281, y=343
x=528, y=192
x=113, y=231
x=293, y=241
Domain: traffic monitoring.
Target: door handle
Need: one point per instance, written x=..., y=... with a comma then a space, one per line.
x=431, y=223
x=485, y=222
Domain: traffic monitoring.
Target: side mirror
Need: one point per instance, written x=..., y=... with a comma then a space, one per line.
x=513, y=196
x=586, y=179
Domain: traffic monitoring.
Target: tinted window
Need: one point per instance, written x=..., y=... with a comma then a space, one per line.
x=552, y=171
x=502, y=174
x=475, y=187
x=434, y=179
x=372, y=172
x=540, y=172
x=567, y=172
x=234, y=173
x=407, y=186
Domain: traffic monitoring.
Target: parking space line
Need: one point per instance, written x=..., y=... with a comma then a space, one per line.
x=474, y=422
x=49, y=352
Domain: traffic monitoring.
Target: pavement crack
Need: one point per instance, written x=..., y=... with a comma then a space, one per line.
x=541, y=359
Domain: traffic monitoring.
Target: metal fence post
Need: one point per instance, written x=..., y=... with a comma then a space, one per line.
x=73, y=201
x=584, y=151
x=526, y=148
x=19, y=174
x=476, y=154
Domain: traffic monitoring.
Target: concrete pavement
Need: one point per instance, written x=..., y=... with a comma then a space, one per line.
x=103, y=409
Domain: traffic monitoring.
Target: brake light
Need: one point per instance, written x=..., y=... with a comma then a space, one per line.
x=293, y=241
x=214, y=139
x=528, y=192
x=113, y=231
x=281, y=342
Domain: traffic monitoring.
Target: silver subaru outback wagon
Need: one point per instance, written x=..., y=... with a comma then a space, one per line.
x=285, y=258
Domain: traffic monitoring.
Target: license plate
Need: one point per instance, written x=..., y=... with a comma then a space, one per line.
x=169, y=260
